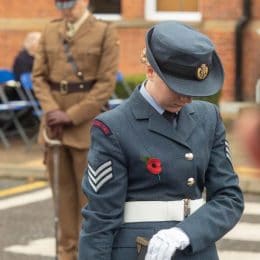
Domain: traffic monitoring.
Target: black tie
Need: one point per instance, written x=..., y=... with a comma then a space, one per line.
x=170, y=116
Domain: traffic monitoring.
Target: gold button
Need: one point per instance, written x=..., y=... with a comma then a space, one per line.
x=190, y=182
x=189, y=156
x=81, y=86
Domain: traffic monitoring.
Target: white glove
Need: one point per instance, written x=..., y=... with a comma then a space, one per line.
x=163, y=244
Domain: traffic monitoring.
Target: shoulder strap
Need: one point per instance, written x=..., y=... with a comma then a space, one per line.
x=71, y=60
x=105, y=32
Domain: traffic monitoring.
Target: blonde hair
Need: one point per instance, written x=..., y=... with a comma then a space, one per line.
x=143, y=57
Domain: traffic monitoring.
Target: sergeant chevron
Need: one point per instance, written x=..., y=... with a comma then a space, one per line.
x=97, y=178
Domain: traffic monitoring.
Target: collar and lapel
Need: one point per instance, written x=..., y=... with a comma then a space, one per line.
x=156, y=123
x=82, y=30
x=85, y=27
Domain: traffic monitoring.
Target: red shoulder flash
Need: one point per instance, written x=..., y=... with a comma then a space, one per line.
x=102, y=126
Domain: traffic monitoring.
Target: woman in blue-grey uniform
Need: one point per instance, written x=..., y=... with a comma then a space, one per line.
x=152, y=157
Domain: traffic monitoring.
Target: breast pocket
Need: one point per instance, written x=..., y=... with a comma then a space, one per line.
x=93, y=56
x=56, y=58
x=89, y=58
x=53, y=52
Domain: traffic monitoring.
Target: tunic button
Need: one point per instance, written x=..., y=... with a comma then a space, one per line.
x=81, y=86
x=190, y=182
x=189, y=156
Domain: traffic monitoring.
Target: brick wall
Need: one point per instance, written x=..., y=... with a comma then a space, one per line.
x=132, y=43
x=223, y=40
x=219, y=22
x=133, y=9
x=9, y=46
x=251, y=52
x=255, y=9
x=220, y=9
x=27, y=9
x=251, y=59
x=17, y=18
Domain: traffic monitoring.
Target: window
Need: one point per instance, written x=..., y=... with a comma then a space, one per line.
x=180, y=10
x=106, y=9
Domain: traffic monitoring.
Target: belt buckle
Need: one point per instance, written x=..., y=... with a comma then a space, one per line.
x=64, y=88
x=186, y=208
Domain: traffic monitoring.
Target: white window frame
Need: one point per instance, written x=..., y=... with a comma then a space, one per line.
x=151, y=13
x=108, y=17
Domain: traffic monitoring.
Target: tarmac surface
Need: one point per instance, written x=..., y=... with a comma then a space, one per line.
x=22, y=163
x=27, y=225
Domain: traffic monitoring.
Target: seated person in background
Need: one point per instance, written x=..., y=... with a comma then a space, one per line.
x=24, y=60
x=23, y=63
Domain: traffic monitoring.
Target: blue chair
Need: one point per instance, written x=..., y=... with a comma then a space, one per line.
x=12, y=110
x=6, y=75
x=26, y=80
x=120, y=79
x=3, y=120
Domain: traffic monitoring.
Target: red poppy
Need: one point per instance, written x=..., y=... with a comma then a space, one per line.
x=154, y=166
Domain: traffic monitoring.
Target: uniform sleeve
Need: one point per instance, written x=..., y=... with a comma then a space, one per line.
x=103, y=88
x=224, y=205
x=105, y=185
x=40, y=75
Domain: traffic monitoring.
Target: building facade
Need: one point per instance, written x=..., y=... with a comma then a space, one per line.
x=234, y=27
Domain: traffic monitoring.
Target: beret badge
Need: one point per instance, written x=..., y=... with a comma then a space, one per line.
x=202, y=72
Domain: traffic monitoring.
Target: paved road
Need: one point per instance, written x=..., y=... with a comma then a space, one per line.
x=27, y=229
x=243, y=242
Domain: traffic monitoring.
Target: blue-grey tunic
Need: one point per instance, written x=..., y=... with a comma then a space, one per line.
x=121, y=141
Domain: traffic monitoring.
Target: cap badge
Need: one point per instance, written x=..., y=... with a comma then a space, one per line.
x=202, y=71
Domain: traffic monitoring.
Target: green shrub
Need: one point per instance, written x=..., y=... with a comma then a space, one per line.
x=133, y=80
x=212, y=99
x=130, y=81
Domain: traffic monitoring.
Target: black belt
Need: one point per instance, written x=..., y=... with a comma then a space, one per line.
x=65, y=87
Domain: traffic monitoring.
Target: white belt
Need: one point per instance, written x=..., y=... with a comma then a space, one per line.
x=152, y=211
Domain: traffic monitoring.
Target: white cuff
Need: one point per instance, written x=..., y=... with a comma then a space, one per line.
x=181, y=238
